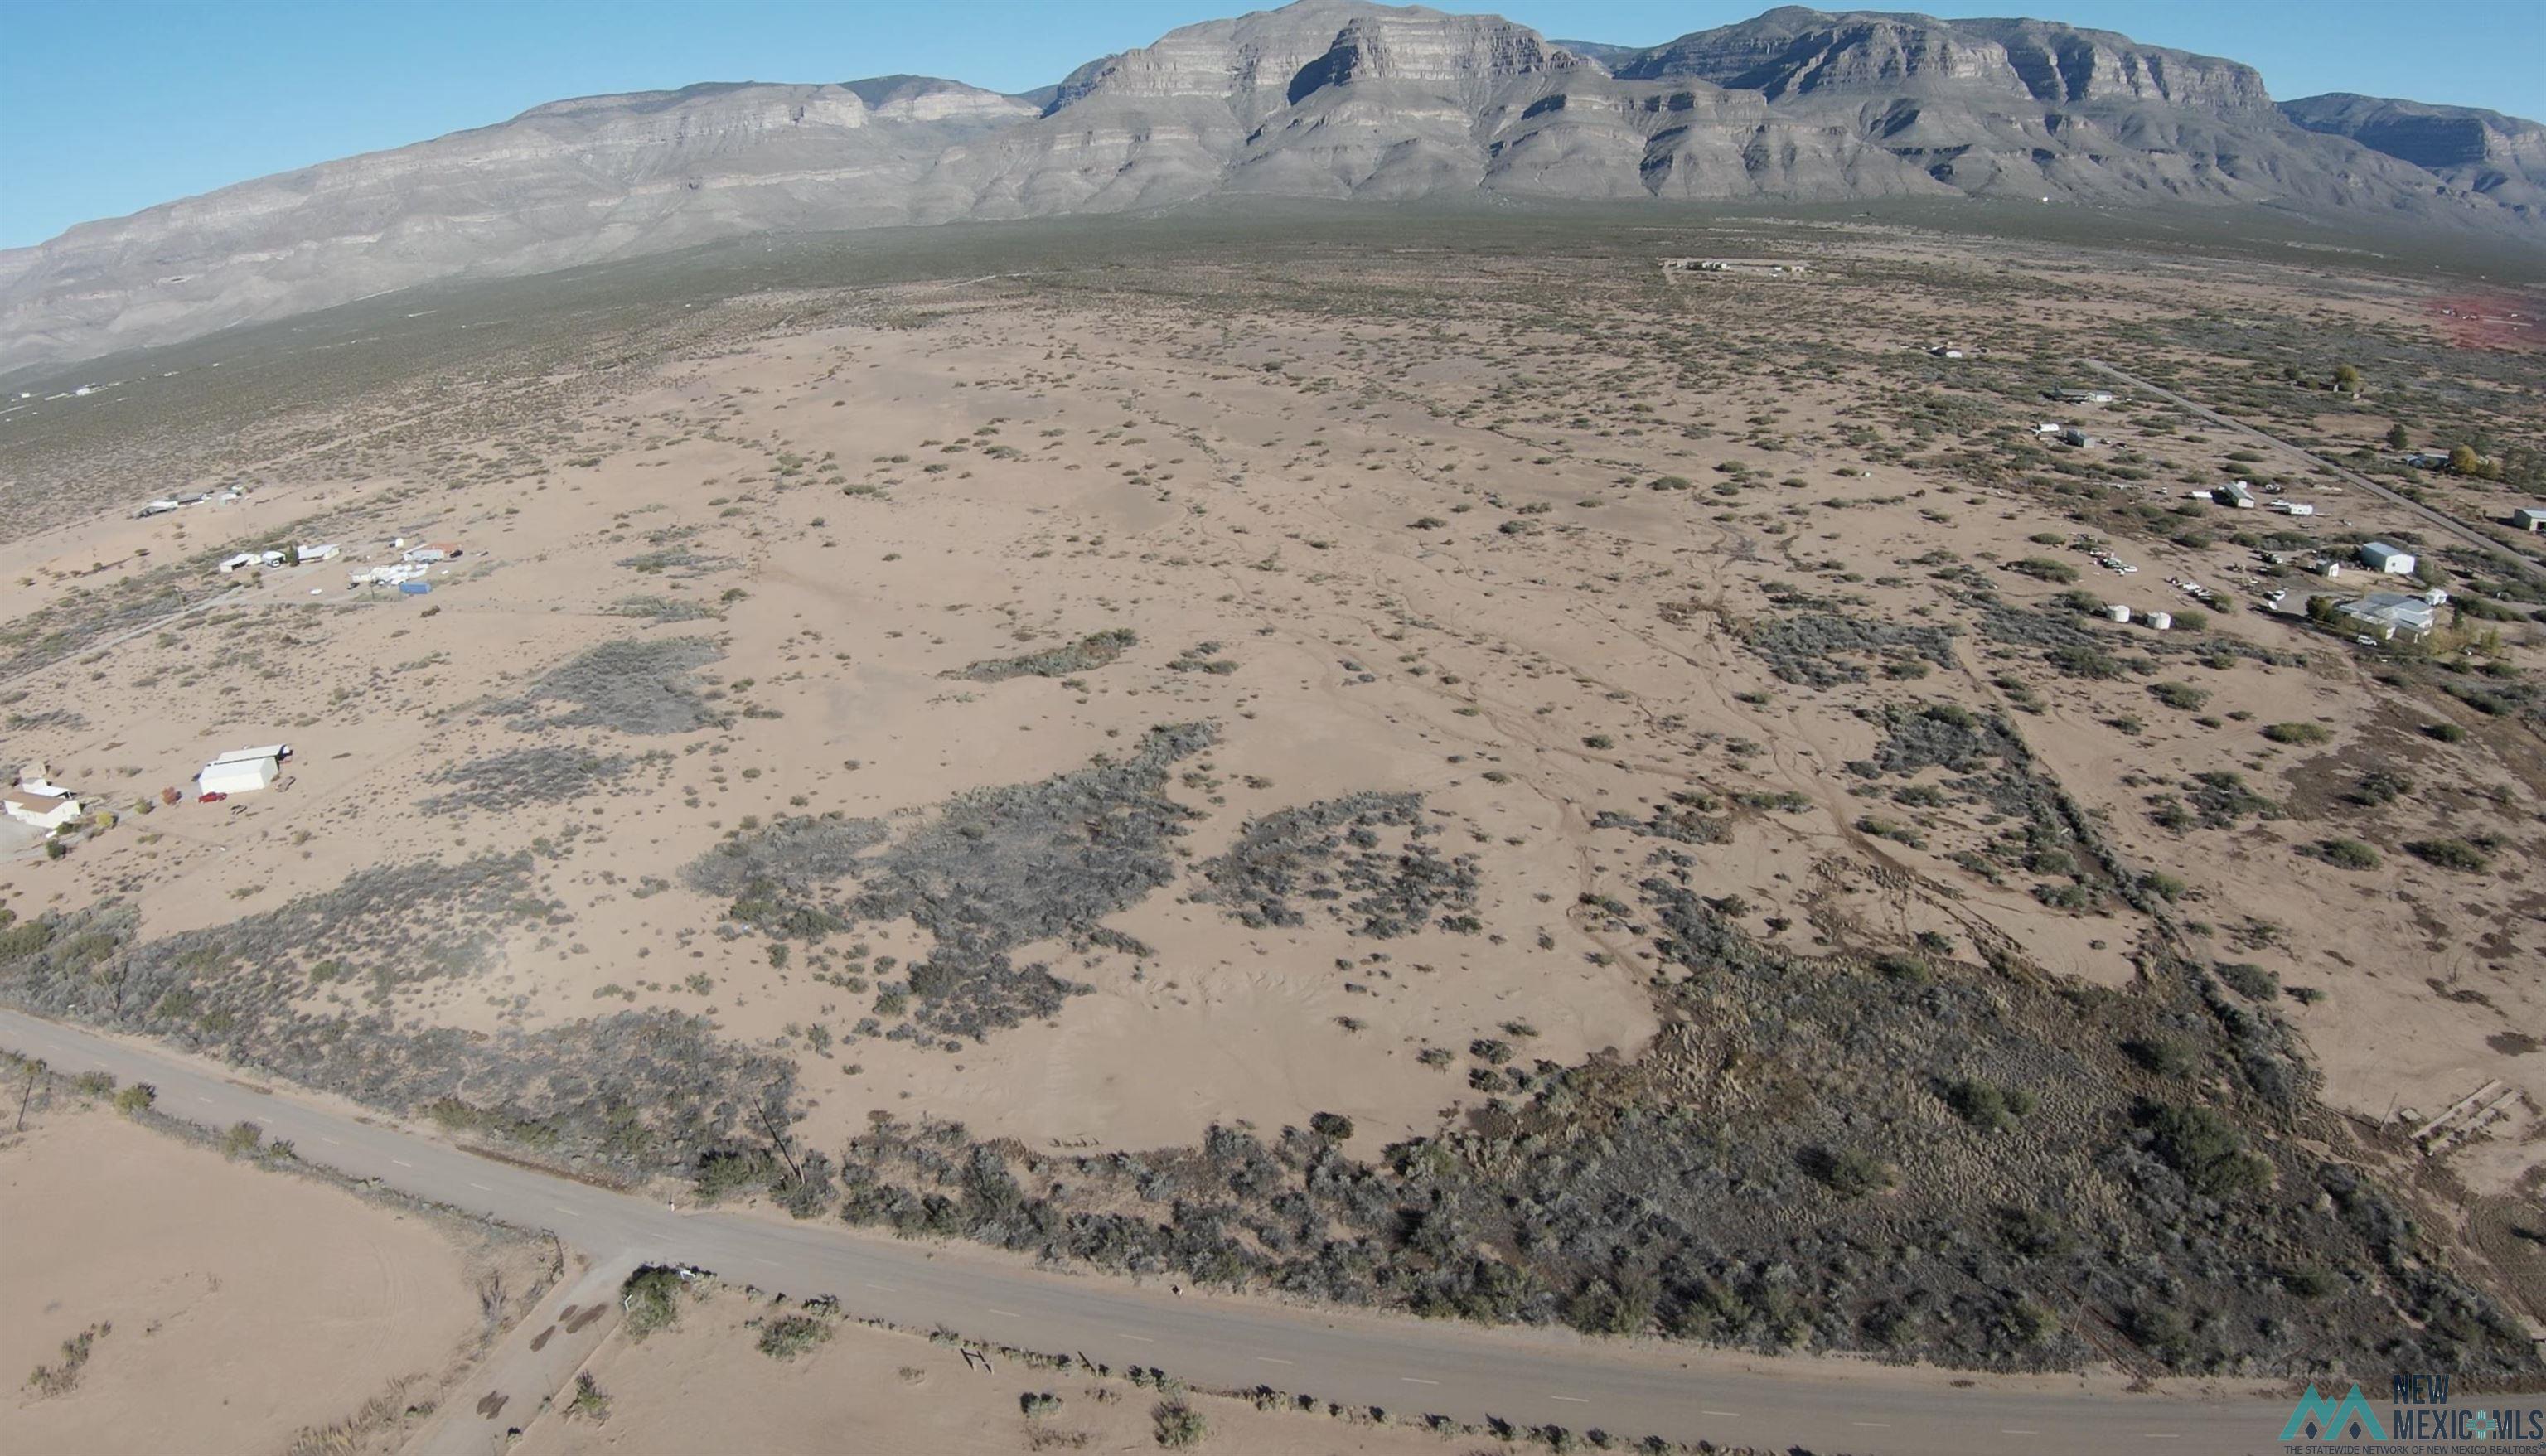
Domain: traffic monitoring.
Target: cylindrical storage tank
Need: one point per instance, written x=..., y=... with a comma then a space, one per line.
x=2161, y=621
x=2118, y=612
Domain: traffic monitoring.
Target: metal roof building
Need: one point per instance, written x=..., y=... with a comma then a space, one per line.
x=2387, y=613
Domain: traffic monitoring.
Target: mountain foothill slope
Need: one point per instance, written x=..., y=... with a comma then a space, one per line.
x=1322, y=99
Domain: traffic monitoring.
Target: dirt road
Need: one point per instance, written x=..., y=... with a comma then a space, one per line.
x=2437, y=519
x=1402, y=1365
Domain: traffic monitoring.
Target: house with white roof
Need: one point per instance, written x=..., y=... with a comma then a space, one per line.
x=2384, y=614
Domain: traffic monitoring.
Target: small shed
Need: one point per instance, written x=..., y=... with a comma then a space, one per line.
x=327, y=553
x=2529, y=517
x=2394, y=560
x=244, y=559
x=2079, y=439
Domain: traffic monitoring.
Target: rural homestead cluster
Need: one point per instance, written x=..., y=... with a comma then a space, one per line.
x=413, y=564
x=36, y=803
x=2374, y=618
x=38, y=806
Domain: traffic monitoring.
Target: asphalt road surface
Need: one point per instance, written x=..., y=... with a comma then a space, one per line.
x=2437, y=519
x=1405, y=1366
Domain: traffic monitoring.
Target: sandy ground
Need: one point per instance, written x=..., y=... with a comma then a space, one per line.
x=245, y=1306
x=1429, y=550
x=705, y=1385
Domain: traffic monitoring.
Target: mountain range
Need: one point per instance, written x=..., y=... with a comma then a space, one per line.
x=1321, y=99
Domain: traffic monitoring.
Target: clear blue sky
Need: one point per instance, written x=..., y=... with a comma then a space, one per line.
x=108, y=106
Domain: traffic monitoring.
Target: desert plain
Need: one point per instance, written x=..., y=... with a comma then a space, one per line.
x=1447, y=764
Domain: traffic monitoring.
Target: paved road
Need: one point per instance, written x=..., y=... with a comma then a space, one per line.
x=2437, y=520
x=1402, y=1365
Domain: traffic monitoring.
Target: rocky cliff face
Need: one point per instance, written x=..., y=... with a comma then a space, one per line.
x=1323, y=98
x=1795, y=53
x=2501, y=157
x=1247, y=63
x=561, y=184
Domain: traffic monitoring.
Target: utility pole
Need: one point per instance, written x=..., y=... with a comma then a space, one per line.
x=34, y=1069
x=778, y=1138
